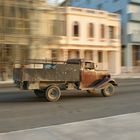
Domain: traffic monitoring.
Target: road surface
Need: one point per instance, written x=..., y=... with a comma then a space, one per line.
x=23, y=110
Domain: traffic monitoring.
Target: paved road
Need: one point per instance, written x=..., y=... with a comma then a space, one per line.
x=23, y=110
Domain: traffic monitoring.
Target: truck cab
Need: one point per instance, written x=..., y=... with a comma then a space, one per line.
x=92, y=79
x=89, y=75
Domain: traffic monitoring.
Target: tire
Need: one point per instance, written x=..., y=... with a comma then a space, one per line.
x=108, y=90
x=39, y=93
x=52, y=93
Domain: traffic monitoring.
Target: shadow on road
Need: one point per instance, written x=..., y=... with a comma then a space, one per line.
x=26, y=96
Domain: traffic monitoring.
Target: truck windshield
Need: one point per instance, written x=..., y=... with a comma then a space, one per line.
x=89, y=65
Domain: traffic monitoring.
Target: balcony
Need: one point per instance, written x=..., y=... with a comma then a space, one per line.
x=134, y=17
x=135, y=1
x=134, y=38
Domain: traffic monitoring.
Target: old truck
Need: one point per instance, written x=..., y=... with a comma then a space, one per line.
x=47, y=79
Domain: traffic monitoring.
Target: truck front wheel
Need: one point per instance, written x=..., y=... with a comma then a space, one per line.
x=108, y=90
x=52, y=93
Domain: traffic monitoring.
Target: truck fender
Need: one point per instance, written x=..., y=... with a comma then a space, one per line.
x=113, y=82
x=104, y=83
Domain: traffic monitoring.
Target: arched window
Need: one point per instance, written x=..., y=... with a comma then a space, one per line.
x=102, y=31
x=91, y=30
x=76, y=29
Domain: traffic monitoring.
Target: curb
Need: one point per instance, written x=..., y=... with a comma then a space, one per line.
x=4, y=84
x=120, y=77
x=126, y=76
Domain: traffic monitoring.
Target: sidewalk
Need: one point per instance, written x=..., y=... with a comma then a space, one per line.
x=121, y=127
x=126, y=75
x=8, y=83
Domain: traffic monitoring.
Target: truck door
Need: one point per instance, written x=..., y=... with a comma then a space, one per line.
x=88, y=75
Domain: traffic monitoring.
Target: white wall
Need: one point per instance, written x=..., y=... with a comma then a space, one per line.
x=84, y=18
x=133, y=28
x=132, y=8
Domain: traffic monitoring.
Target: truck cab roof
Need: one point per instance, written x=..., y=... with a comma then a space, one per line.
x=78, y=61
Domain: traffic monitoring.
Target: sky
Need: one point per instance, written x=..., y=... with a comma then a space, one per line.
x=60, y=0
x=51, y=1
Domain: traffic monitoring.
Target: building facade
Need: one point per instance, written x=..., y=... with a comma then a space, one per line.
x=88, y=34
x=16, y=32
x=130, y=25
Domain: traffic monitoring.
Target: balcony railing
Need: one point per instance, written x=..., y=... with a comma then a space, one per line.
x=134, y=17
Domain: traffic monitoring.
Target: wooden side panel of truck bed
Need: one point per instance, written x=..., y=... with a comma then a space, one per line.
x=57, y=73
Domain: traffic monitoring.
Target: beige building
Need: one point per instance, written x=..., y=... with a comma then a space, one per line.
x=32, y=30
x=83, y=33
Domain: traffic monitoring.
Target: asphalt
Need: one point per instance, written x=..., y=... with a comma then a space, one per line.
x=121, y=127
x=126, y=126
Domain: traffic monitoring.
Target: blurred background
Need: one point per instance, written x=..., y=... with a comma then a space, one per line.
x=50, y=29
x=25, y=25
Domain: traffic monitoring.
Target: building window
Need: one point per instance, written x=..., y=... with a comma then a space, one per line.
x=88, y=55
x=9, y=26
x=136, y=55
x=100, y=57
x=59, y=28
x=90, y=30
x=123, y=56
x=73, y=54
x=54, y=54
x=22, y=13
x=76, y=29
x=1, y=25
x=12, y=12
x=111, y=32
x=102, y=30
x=1, y=10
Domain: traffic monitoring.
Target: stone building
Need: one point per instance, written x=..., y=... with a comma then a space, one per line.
x=86, y=33
x=129, y=11
x=30, y=29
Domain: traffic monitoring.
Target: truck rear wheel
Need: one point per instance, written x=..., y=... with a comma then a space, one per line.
x=52, y=93
x=108, y=90
x=39, y=93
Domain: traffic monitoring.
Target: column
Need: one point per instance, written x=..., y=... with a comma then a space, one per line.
x=17, y=55
x=48, y=54
x=128, y=58
x=65, y=55
x=118, y=62
x=105, y=60
x=95, y=56
x=114, y=62
x=82, y=54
